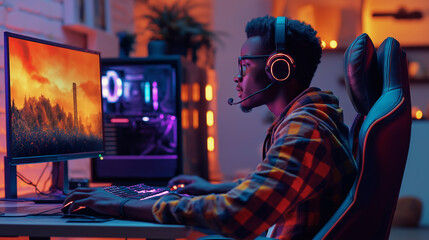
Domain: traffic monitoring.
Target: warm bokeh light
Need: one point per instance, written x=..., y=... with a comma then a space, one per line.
x=185, y=118
x=333, y=44
x=209, y=92
x=419, y=114
x=210, y=144
x=210, y=118
x=184, y=92
x=195, y=120
x=416, y=112
x=323, y=44
x=195, y=92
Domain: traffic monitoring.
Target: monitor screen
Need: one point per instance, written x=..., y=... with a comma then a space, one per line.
x=53, y=101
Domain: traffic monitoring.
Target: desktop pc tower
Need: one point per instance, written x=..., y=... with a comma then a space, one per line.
x=149, y=135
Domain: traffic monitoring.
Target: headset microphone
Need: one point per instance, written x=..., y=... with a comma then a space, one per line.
x=231, y=101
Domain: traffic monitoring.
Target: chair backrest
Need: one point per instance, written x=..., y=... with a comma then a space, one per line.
x=383, y=142
x=363, y=83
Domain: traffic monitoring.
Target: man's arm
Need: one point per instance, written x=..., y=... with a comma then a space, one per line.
x=105, y=203
x=139, y=210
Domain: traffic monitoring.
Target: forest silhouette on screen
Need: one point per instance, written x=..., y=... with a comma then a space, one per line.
x=42, y=129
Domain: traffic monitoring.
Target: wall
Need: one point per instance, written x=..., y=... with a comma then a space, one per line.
x=408, y=28
x=240, y=135
x=45, y=19
x=415, y=179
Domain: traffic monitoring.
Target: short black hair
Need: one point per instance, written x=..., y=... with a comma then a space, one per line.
x=301, y=43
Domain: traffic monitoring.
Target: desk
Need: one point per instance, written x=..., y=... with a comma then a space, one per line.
x=44, y=227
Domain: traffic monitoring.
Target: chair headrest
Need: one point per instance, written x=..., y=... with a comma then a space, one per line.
x=391, y=64
x=362, y=82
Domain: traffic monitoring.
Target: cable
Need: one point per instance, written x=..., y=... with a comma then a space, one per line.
x=41, y=175
x=46, y=181
x=29, y=182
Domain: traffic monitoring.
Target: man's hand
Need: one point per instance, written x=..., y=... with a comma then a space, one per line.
x=108, y=204
x=195, y=185
x=95, y=198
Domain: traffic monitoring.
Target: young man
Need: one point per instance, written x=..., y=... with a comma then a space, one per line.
x=307, y=167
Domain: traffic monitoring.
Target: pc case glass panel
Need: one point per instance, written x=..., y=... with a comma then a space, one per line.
x=141, y=124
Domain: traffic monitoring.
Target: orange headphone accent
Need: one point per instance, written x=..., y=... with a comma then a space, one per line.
x=280, y=66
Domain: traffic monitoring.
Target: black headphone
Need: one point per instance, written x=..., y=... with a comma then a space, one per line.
x=280, y=66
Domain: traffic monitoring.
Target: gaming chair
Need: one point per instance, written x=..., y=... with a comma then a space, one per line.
x=381, y=133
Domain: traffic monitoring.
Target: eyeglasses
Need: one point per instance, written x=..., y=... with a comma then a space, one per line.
x=242, y=68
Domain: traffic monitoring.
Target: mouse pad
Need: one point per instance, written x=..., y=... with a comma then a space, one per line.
x=26, y=208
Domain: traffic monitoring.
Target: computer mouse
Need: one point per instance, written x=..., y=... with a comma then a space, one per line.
x=177, y=186
x=82, y=210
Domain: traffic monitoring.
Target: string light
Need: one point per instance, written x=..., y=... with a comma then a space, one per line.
x=184, y=92
x=210, y=144
x=323, y=44
x=419, y=114
x=185, y=118
x=195, y=120
x=195, y=92
x=209, y=92
x=333, y=44
x=210, y=118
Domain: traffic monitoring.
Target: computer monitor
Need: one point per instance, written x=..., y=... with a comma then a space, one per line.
x=53, y=103
x=141, y=121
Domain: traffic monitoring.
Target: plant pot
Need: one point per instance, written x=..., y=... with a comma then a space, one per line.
x=157, y=48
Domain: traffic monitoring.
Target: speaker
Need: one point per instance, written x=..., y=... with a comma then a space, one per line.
x=280, y=66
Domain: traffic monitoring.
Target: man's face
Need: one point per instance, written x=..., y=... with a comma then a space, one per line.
x=254, y=78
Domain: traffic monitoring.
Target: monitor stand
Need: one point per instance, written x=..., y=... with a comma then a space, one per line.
x=58, y=188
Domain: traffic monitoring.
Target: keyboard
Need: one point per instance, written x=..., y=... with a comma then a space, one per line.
x=138, y=191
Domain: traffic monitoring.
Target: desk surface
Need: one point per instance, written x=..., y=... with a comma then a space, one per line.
x=56, y=226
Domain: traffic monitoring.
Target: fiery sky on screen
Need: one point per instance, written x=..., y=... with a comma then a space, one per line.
x=38, y=69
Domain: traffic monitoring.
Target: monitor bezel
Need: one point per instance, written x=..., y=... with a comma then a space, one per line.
x=43, y=158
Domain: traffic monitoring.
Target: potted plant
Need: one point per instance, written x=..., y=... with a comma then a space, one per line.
x=180, y=31
x=126, y=43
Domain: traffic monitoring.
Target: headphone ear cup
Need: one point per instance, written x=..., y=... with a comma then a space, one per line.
x=280, y=67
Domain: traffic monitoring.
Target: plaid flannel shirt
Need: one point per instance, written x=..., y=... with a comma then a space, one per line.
x=306, y=172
